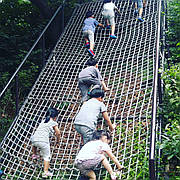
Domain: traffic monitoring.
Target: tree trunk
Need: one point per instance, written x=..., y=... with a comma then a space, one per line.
x=55, y=28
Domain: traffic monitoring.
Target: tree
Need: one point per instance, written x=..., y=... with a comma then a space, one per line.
x=55, y=28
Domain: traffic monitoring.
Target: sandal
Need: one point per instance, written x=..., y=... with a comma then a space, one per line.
x=115, y=175
x=34, y=156
x=47, y=174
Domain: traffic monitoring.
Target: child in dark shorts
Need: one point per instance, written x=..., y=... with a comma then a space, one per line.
x=93, y=153
x=139, y=8
x=90, y=76
x=86, y=120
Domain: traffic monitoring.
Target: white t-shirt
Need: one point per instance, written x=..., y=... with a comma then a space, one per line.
x=44, y=131
x=92, y=149
x=109, y=6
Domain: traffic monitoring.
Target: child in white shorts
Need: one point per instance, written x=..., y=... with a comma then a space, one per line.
x=40, y=139
x=109, y=14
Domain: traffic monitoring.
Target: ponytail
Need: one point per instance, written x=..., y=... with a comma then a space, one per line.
x=51, y=113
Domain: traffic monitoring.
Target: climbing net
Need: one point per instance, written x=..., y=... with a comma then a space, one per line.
x=127, y=65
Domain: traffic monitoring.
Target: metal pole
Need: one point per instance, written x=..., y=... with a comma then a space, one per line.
x=43, y=50
x=62, y=19
x=17, y=94
x=152, y=170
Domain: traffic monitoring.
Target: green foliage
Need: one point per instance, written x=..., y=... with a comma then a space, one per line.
x=171, y=141
x=173, y=38
x=171, y=103
x=171, y=118
x=143, y=169
x=19, y=29
x=170, y=144
x=20, y=25
x=174, y=18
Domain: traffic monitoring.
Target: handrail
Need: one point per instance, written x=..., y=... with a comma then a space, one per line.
x=152, y=170
x=27, y=55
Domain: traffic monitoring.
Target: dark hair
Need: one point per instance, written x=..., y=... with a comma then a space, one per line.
x=89, y=14
x=97, y=92
x=91, y=62
x=51, y=113
x=99, y=133
x=107, y=1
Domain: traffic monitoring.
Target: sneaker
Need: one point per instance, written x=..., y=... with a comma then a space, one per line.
x=113, y=36
x=115, y=175
x=140, y=19
x=47, y=174
x=91, y=52
x=34, y=156
x=87, y=45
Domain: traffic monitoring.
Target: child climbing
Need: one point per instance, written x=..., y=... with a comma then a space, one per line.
x=93, y=153
x=139, y=8
x=86, y=120
x=88, y=31
x=90, y=76
x=40, y=139
x=109, y=14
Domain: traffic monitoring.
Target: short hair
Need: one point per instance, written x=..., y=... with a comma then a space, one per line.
x=51, y=113
x=107, y=1
x=91, y=62
x=96, y=93
x=99, y=133
x=89, y=14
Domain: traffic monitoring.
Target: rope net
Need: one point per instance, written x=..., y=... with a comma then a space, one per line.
x=127, y=65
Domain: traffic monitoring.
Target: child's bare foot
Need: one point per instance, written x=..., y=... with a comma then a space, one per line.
x=106, y=89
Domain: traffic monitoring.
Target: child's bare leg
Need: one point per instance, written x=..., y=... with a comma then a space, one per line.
x=104, y=86
x=46, y=166
x=34, y=150
x=135, y=6
x=91, y=46
x=91, y=175
x=140, y=12
x=86, y=39
x=112, y=29
x=107, y=22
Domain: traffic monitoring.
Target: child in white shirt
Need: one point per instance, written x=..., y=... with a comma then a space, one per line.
x=93, y=153
x=109, y=14
x=40, y=139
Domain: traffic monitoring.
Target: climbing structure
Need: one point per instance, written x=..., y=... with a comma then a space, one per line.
x=127, y=65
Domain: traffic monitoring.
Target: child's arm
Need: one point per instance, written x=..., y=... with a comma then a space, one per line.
x=106, y=117
x=101, y=25
x=117, y=9
x=114, y=159
x=144, y=3
x=57, y=133
x=104, y=86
